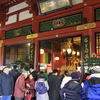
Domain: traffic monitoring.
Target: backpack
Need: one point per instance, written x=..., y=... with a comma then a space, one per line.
x=41, y=88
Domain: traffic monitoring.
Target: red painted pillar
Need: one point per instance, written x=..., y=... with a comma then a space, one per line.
x=88, y=14
x=35, y=26
x=35, y=29
x=36, y=57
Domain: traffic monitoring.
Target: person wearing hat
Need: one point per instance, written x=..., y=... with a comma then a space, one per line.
x=19, y=92
x=6, y=85
x=72, y=89
x=91, y=87
x=75, y=76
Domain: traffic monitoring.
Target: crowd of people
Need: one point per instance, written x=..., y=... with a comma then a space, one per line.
x=33, y=85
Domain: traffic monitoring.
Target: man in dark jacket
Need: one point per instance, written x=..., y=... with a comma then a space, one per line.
x=54, y=84
x=14, y=73
x=6, y=85
x=72, y=90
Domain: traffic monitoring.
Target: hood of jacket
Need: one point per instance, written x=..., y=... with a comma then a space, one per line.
x=72, y=85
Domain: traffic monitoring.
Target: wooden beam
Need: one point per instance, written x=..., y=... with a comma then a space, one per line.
x=3, y=1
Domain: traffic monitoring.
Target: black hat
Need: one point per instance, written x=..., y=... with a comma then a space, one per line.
x=74, y=75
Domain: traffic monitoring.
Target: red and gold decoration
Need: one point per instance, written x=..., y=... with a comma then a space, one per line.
x=32, y=36
x=86, y=26
x=17, y=32
x=58, y=23
x=1, y=43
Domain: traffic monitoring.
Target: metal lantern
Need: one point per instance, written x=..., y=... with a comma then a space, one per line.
x=48, y=6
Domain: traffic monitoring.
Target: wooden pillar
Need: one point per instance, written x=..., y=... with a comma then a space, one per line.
x=88, y=14
x=35, y=29
x=35, y=26
x=36, y=57
x=2, y=56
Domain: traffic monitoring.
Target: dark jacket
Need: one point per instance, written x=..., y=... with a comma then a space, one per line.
x=71, y=91
x=6, y=84
x=54, y=84
x=15, y=74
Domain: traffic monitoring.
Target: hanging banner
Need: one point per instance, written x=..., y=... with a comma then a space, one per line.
x=86, y=45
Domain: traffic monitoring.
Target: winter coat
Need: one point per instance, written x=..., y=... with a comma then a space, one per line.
x=15, y=74
x=71, y=91
x=6, y=84
x=20, y=87
x=84, y=90
x=42, y=96
x=31, y=82
x=54, y=84
x=91, y=89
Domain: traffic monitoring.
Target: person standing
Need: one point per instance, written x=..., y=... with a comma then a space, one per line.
x=41, y=87
x=6, y=85
x=31, y=70
x=54, y=84
x=72, y=89
x=30, y=85
x=14, y=73
x=65, y=79
x=20, y=89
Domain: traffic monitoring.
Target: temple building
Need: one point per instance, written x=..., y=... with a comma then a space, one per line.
x=49, y=34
